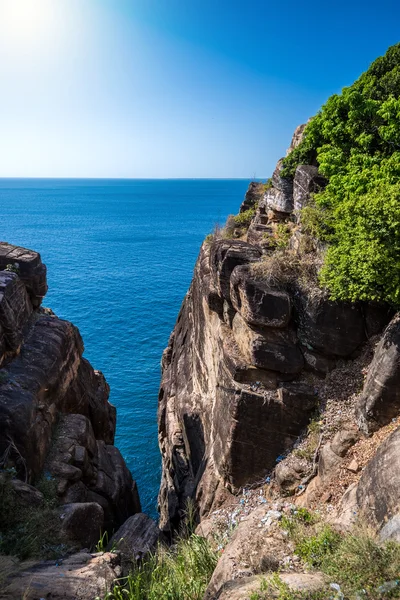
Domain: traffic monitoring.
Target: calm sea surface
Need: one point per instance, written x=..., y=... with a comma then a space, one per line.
x=120, y=256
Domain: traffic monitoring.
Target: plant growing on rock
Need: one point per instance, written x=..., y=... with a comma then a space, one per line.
x=355, y=141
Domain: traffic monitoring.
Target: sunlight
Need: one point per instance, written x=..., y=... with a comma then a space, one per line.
x=28, y=24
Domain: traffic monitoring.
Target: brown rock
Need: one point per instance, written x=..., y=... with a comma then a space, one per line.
x=380, y=398
x=30, y=270
x=307, y=181
x=15, y=310
x=79, y=577
x=138, y=536
x=82, y=523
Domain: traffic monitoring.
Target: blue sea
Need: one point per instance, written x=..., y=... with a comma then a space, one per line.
x=120, y=257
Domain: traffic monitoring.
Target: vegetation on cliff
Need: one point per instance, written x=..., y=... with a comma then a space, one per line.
x=355, y=141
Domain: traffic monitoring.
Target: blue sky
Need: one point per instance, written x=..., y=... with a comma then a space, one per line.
x=173, y=88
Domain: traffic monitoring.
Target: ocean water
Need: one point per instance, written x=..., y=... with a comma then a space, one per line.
x=120, y=256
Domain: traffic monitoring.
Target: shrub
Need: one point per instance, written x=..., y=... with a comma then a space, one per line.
x=355, y=141
x=244, y=219
x=27, y=531
x=181, y=572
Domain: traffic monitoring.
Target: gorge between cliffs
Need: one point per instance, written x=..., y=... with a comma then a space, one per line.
x=278, y=410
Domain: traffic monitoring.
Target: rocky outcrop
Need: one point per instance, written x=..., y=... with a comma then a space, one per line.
x=55, y=419
x=380, y=398
x=234, y=394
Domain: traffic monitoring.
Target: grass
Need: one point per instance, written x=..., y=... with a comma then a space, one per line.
x=29, y=531
x=181, y=572
x=358, y=562
x=311, y=441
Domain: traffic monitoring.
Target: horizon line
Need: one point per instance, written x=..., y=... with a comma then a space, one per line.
x=138, y=178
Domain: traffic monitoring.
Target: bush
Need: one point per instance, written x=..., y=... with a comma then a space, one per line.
x=355, y=141
x=27, y=531
x=181, y=572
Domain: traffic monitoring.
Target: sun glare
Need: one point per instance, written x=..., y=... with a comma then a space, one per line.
x=27, y=25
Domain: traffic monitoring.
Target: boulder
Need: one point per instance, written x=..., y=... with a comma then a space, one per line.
x=297, y=138
x=253, y=195
x=279, y=201
x=81, y=576
x=391, y=530
x=81, y=523
x=307, y=181
x=332, y=328
x=307, y=584
x=282, y=198
x=15, y=309
x=272, y=349
x=380, y=399
x=257, y=302
x=137, y=537
x=29, y=267
x=289, y=474
x=378, y=491
x=224, y=257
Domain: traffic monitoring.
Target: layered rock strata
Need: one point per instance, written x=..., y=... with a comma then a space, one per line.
x=55, y=418
x=235, y=393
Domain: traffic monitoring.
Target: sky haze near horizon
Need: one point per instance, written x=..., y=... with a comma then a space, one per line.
x=173, y=88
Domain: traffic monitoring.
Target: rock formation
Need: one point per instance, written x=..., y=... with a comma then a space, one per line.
x=235, y=391
x=55, y=419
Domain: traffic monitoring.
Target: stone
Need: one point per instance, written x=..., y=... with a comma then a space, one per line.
x=307, y=584
x=378, y=491
x=15, y=310
x=138, y=536
x=297, y=138
x=317, y=363
x=253, y=195
x=328, y=463
x=380, y=399
x=27, y=495
x=307, y=181
x=81, y=523
x=391, y=530
x=289, y=475
x=353, y=466
x=271, y=349
x=224, y=257
x=283, y=201
x=257, y=303
x=344, y=439
x=332, y=328
x=81, y=576
x=30, y=269
x=278, y=201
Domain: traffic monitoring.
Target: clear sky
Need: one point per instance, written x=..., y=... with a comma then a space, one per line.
x=173, y=88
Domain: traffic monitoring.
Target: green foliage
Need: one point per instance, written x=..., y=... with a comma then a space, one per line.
x=356, y=560
x=12, y=268
x=181, y=572
x=28, y=531
x=243, y=219
x=355, y=140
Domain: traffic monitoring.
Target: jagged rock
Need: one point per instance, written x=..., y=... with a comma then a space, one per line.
x=15, y=309
x=242, y=589
x=225, y=256
x=333, y=328
x=30, y=269
x=269, y=349
x=257, y=302
x=253, y=195
x=81, y=576
x=81, y=523
x=344, y=439
x=391, y=530
x=137, y=537
x=288, y=475
x=297, y=138
x=317, y=363
x=249, y=547
x=307, y=181
x=329, y=462
x=280, y=197
x=259, y=234
x=380, y=398
x=378, y=491
x=279, y=201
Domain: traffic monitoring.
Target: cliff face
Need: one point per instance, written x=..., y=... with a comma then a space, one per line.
x=253, y=335
x=55, y=419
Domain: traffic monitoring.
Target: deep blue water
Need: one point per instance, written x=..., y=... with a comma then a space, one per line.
x=120, y=256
